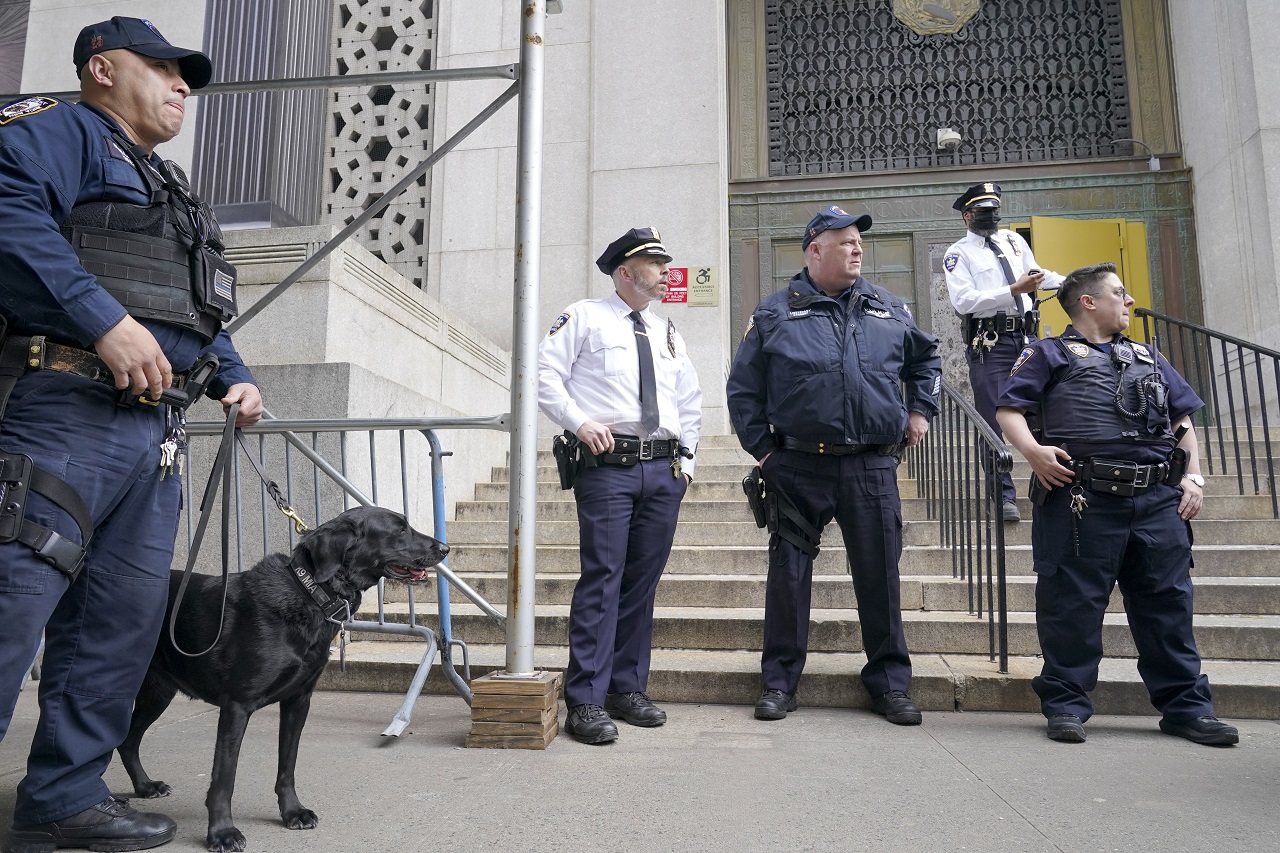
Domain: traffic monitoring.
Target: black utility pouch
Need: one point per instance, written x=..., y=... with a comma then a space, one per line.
x=1036, y=492
x=15, y=483
x=1177, y=467
x=213, y=283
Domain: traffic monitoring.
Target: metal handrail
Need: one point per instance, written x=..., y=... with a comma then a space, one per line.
x=1218, y=367
x=288, y=431
x=960, y=456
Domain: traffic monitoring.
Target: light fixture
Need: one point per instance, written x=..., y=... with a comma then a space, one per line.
x=1153, y=164
x=948, y=139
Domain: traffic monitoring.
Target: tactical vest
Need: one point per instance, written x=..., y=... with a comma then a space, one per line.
x=162, y=261
x=1081, y=405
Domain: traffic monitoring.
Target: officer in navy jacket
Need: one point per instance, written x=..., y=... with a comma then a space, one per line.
x=831, y=380
x=112, y=285
x=1118, y=508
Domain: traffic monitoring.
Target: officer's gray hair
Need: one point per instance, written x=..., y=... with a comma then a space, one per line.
x=1081, y=282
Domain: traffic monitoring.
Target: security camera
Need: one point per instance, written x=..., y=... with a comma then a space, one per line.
x=948, y=139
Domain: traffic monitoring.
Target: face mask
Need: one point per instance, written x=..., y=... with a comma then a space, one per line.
x=985, y=219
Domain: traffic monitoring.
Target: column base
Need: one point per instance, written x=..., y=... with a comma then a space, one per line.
x=515, y=713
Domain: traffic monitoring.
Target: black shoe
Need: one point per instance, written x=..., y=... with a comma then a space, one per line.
x=111, y=825
x=590, y=724
x=897, y=707
x=1066, y=728
x=1010, y=510
x=1207, y=730
x=634, y=708
x=775, y=704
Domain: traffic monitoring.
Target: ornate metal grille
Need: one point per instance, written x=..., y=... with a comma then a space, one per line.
x=851, y=89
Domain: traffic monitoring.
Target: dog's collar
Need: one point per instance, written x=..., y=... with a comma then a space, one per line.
x=330, y=605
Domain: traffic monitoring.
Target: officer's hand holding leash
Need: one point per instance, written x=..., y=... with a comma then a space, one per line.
x=135, y=358
x=250, y=400
x=596, y=437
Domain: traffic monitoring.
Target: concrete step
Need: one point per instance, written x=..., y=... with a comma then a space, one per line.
x=941, y=682
x=1211, y=560
x=832, y=629
x=721, y=533
x=552, y=507
x=1253, y=596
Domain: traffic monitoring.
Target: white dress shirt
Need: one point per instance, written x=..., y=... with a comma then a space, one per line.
x=589, y=369
x=975, y=280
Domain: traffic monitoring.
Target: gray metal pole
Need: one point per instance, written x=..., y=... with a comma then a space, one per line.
x=522, y=530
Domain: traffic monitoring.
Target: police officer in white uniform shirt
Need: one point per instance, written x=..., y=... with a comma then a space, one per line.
x=619, y=380
x=991, y=279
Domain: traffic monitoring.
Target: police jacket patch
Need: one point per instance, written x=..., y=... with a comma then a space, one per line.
x=950, y=262
x=558, y=324
x=1026, y=353
x=25, y=107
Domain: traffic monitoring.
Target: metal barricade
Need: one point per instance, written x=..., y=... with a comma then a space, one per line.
x=357, y=477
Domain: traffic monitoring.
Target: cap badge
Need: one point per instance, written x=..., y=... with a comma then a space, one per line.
x=835, y=209
x=95, y=42
x=988, y=188
x=153, y=29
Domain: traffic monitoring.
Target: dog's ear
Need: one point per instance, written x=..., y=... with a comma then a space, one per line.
x=326, y=547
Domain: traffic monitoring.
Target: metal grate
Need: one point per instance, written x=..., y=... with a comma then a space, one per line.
x=851, y=89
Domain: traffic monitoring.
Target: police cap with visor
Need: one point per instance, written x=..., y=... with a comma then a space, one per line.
x=978, y=195
x=635, y=243
x=833, y=218
x=140, y=36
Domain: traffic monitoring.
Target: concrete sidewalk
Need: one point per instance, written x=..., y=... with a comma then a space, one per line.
x=714, y=779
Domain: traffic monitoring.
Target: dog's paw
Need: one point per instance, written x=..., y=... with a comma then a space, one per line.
x=225, y=841
x=301, y=819
x=153, y=789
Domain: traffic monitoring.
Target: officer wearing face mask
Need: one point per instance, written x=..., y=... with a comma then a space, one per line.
x=991, y=279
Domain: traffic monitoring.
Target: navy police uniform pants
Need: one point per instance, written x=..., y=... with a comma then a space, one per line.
x=101, y=629
x=861, y=493
x=988, y=377
x=1141, y=543
x=627, y=520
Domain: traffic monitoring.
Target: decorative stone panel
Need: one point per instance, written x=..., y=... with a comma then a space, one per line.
x=851, y=89
x=380, y=133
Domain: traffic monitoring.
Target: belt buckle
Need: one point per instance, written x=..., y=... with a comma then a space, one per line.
x=1010, y=324
x=1142, y=477
x=645, y=453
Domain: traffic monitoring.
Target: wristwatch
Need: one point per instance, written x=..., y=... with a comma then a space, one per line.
x=1195, y=478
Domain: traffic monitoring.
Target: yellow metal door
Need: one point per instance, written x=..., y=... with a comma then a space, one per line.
x=1063, y=245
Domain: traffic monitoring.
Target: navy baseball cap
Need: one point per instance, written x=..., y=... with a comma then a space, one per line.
x=833, y=217
x=140, y=36
x=978, y=195
x=636, y=242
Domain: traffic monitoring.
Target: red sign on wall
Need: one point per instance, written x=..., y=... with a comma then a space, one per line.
x=677, y=285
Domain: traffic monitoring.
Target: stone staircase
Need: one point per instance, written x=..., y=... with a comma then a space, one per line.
x=709, y=615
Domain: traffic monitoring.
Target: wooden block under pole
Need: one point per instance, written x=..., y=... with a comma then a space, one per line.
x=515, y=713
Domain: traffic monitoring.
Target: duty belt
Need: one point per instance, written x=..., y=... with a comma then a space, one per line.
x=630, y=449
x=39, y=353
x=1117, y=476
x=826, y=449
x=1000, y=324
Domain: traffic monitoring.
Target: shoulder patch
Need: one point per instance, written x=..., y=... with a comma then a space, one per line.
x=751, y=324
x=558, y=324
x=1079, y=350
x=25, y=107
x=950, y=261
x=1026, y=353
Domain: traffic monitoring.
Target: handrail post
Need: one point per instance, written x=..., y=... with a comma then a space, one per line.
x=523, y=507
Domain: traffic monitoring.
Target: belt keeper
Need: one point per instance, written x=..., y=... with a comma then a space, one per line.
x=36, y=353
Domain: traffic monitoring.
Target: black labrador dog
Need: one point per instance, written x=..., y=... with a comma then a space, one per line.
x=274, y=646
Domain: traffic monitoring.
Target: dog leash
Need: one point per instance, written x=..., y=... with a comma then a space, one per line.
x=221, y=466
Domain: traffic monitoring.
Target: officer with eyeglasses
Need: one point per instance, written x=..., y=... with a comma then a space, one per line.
x=1116, y=483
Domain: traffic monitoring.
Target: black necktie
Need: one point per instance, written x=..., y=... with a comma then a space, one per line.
x=1009, y=277
x=648, y=383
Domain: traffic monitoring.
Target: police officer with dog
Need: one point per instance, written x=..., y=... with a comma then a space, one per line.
x=832, y=379
x=618, y=379
x=991, y=279
x=113, y=292
x=1116, y=483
